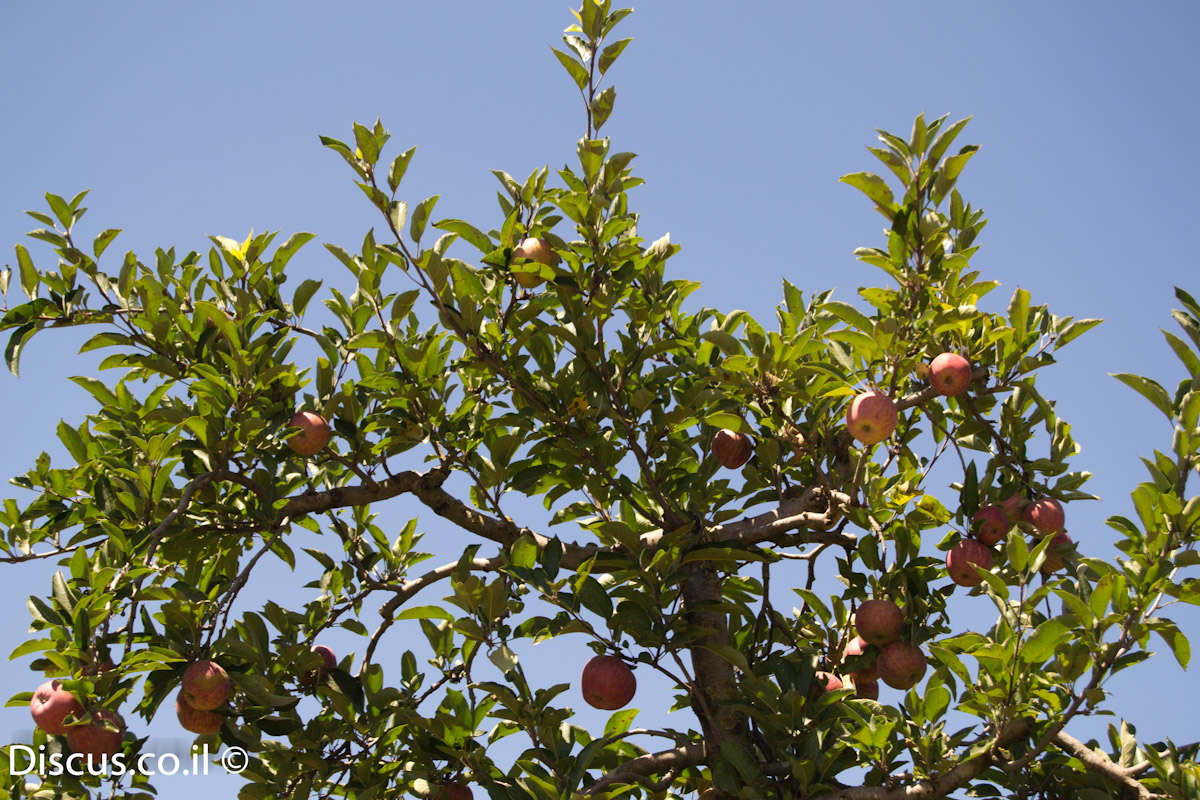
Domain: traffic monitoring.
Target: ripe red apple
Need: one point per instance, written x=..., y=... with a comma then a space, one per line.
x=313, y=436
x=1013, y=505
x=1046, y=515
x=205, y=685
x=1053, y=561
x=328, y=660
x=950, y=374
x=731, y=449
x=825, y=682
x=867, y=689
x=194, y=719
x=100, y=737
x=856, y=647
x=871, y=417
x=990, y=524
x=879, y=622
x=901, y=665
x=51, y=705
x=454, y=791
x=607, y=683
x=538, y=250
x=962, y=556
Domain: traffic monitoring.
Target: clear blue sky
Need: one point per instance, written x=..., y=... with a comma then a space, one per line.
x=193, y=119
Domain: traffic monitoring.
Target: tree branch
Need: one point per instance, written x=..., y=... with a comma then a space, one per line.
x=1099, y=762
x=688, y=755
x=960, y=775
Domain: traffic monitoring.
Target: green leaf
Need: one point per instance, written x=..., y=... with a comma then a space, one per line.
x=871, y=185
x=473, y=235
x=1183, y=353
x=1075, y=330
x=424, y=612
x=421, y=216
x=399, y=167
x=577, y=71
x=945, y=139
x=101, y=242
x=524, y=552
x=1040, y=646
x=730, y=654
x=28, y=272
x=619, y=722
x=1176, y=641
x=602, y=106
x=303, y=294
x=849, y=314
x=16, y=342
x=1148, y=389
x=1018, y=313
x=609, y=54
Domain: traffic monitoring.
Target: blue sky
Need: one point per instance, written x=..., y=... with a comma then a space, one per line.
x=186, y=121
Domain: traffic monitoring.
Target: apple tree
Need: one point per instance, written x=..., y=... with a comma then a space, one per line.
x=864, y=460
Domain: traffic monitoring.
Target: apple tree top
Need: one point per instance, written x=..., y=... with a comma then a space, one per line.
x=696, y=467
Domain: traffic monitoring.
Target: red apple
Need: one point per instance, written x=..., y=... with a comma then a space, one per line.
x=205, y=685
x=856, y=647
x=879, y=621
x=871, y=417
x=314, y=433
x=825, y=682
x=538, y=250
x=1013, y=505
x=1046, y=515
x=454, y=791
x=608, y=683
x=950, y=374
x=866, y=689
x=1054, y=553
x=51, y=705
x=901, y=665
x=100, y=737
x=730, y=448
x=328, y=660
x=195, y=720
x=990, y=524
x=962, y=556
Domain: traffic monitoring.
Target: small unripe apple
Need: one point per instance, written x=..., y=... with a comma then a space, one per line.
x=879, y=622
x=538, y=250
x=950, y=374
x=51, y=705
x=205, y=685
x=901, y=665
x=1053, y=561
x=962, y=556
x=1046, y=515
x=731, y=449
x=194, y=719
x=871, y=417
x=314, y=433
x=990, y=524
x=856, y=647
x=607, y=683
x=100, y=737
x=866, y=689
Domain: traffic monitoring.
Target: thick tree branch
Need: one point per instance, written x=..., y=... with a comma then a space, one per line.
x=688, y=755
x=960, y=775
x=1100, y=763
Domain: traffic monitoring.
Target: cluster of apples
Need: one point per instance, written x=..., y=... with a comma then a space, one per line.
x=991, y=525
x=93, y=734
x=203, y=690
x=879, y=625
